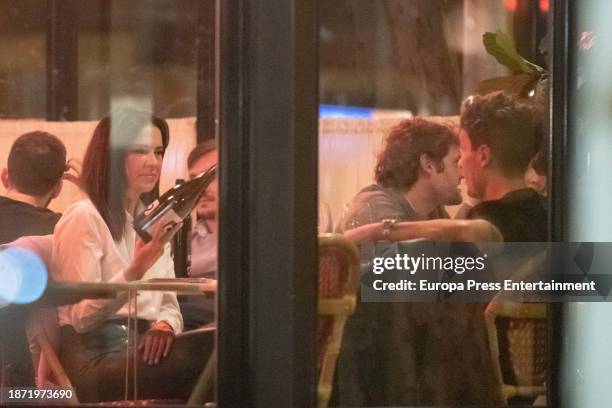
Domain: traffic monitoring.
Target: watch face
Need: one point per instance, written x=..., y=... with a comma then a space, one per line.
x=387, y=225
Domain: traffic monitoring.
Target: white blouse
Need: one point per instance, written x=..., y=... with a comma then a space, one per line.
x=84, y=251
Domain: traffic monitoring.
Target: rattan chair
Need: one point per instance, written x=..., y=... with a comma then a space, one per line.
x=337, y=284
x=517, y=339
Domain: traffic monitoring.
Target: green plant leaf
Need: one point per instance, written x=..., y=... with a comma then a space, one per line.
x=501, y=47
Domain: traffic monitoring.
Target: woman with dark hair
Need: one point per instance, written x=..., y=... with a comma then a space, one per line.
x=536, y=176
x=94, y=242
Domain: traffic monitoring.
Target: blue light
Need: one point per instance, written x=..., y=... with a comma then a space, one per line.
x=24, y=276
x=343, y=112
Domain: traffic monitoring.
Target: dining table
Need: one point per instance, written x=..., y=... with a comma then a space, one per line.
x=65, y=293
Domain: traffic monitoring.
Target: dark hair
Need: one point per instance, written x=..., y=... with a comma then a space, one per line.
x=398, y=163
x=104, y=164
x=36, y=163
x=200, y=150
x=540, y=162
x=509, y=126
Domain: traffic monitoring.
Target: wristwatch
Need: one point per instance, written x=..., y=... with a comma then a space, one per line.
x=387, y=227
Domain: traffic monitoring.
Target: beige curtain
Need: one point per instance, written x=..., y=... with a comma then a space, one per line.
x=76, y=136
x=347, y=153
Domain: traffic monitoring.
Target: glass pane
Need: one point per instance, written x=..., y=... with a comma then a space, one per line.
x=95, y=214
x=398, y=156
x=132, y=51
x=22, y=66
x=586, y=325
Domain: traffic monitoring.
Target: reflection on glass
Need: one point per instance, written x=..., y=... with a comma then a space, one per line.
x=131, y=52
x=380, y=63
x=137, y=56
x=585, y=362
x=22, y=66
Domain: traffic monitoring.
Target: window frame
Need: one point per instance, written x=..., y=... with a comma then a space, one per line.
x=268, y=237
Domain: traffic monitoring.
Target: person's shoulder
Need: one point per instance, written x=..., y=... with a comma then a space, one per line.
x=371, y=190
x=521, y=196
x=497, y=212
x=19, y=211
x=19, y=219
x=5, y=201
x=84, y=206
x=510, y=202
x=83, y=214
x=520, y=216
x=485, y=208
x=374, y=194
x=523, y=202
x=49, y=216
x=55, y=216
x=10, y=205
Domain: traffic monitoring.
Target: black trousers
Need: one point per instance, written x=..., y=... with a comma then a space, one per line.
x=16, y=360
x=96, y=364
x=197, y=311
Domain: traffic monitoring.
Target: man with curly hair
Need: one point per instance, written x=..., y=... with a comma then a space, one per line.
x=416, y=175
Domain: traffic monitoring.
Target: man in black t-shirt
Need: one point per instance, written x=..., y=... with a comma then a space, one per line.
x=33, y=177
x=498, y=139
x=519, y=216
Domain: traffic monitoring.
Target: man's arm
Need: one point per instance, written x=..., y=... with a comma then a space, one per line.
x=434, y=230
x=373, y=210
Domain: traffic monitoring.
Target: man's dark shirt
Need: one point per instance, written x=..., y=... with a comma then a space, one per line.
x=520, y=216
x=19, y=219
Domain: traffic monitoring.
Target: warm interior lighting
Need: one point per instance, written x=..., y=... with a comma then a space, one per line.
x=510, y=5
x=544, y=6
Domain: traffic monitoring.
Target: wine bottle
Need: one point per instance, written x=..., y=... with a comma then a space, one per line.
x=181, y=246
x=174, y=205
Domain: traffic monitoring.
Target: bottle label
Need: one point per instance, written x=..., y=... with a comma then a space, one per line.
x=169, y=217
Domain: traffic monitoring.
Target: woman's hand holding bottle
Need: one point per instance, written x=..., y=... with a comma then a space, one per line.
x=146, y=254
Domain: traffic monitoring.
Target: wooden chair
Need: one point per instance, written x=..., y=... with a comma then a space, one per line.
x=337, y=285
x=517, y=339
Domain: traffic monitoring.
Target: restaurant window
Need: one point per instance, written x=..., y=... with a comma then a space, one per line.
x=382, y=65
x=583, y=362
x=118, y=62
x=119, y=85
x=22, y=67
